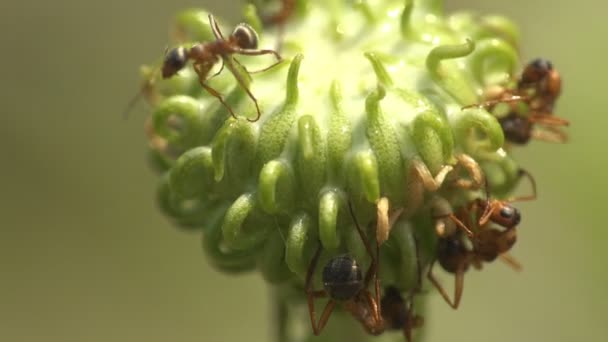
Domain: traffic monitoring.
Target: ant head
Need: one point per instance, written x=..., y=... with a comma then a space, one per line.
x=517, y=129
x=507, y=216
x=342, y=277
x=536, y=70
x=245, y=36
x=174, y=61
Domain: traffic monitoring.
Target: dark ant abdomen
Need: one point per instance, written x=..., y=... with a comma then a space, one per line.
x=451, y=253
x=516, y=129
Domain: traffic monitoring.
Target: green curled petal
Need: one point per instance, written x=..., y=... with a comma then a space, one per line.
x=233, y=150
x=276, y=187
x=329, y=206
x=243, y=231
x=311, y=158
x=493, y=61
x=406, y=18
x=178, y=120
x=433, y=139
x=220, y=257
x=271, y=260
x=448, y=76
x=503, y=26
x=193, y=26
x=191, y=176
x=468, y=121
x=363, y=176
x=292, y=92
x=301, y=242
x=339, y=136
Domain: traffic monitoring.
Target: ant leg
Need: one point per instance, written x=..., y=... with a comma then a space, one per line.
x=244, y=85
x=256, y=71
x=474, y=171
x=312, y=295
x=550, y=134
x=548, y=119
x=217, y=95
x=491, y=103
x=376, y=327
x=430, y=183
x=220, y=71
x=215, y=28
x=372, y=271
x=458, y=223
x=511, y=261
x=487, y=213
x=522, y=173
x=457, y=287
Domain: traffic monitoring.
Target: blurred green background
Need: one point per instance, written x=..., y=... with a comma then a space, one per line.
x=86, y=256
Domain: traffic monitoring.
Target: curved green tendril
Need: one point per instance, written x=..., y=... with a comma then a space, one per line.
x=364, y=175
x=433, y=138
x=339, y=136
x=464, y=125
x=329, y=205
x=233, y=149
x=448, y=77
x=276, y=187
x=493, y=61
x=192, y=173
x=238, y=232
x=300, y=244
x=311, y=158
x=383, y=77
x=178, y=120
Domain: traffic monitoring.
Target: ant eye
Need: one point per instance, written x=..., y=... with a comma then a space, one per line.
x=245, y=36
x=174, y=61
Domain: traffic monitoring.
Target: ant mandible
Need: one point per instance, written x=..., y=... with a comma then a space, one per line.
x=343, y=283
x=242, y=41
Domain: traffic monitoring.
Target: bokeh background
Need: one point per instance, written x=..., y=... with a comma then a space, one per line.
x=86, y=256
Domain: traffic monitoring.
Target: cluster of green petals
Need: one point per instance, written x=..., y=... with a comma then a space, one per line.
x=365, y=88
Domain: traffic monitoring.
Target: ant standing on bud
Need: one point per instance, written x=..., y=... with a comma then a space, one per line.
x=487, y=241
x=242, y=41
x=343, y=283
x=539, y=87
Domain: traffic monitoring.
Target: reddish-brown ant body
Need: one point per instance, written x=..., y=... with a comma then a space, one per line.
x=343, y=283
x=539, y=87
x=242, y=41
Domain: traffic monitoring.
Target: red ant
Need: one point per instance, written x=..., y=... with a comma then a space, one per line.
x=539, y=87
x=493, y=210
x=242, y=41
x=343, y=283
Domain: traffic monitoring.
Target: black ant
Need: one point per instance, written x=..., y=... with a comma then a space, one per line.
x=343, y=283
x=539, y=86
x=242, y=41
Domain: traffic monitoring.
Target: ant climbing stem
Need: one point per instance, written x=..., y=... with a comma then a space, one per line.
x=242, y=41
x=344, y=284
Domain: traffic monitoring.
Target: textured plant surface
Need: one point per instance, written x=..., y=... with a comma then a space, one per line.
x=368, y=98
